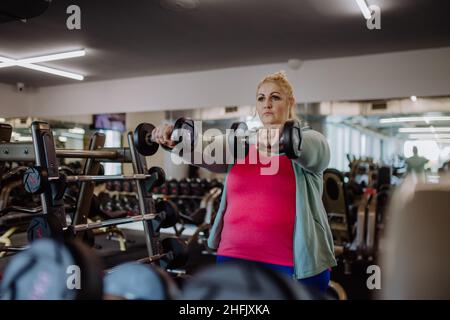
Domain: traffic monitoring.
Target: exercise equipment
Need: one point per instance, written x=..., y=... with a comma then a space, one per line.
x=42, y=273
x=183, y=132
x=143, y=139
x=244, y=281
x=36, y=179
x=135, y=281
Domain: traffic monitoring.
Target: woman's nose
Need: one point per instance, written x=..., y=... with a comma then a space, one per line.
x=268, y=104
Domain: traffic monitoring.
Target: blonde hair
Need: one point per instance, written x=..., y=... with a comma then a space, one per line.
x=281, y=79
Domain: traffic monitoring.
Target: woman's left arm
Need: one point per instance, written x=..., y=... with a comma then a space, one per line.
x=315, y=151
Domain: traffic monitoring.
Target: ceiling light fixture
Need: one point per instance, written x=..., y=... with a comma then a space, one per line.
x=430, y=136
x=424, y=130
x=29, y=63
x=415, y=119
x=413, y=98
x=364, y=9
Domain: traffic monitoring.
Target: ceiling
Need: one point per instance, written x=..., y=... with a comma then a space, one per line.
x=136, y=38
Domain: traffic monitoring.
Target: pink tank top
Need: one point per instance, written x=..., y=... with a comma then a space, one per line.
x=260, y=214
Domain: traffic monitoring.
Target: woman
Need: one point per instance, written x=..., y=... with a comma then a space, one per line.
x=275, y=220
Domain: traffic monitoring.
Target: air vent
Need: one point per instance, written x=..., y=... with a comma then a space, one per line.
x=379, y=106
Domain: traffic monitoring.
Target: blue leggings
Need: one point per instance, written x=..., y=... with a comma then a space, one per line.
x=319, y=282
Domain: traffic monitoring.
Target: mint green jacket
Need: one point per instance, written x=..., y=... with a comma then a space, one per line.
x=313, y=241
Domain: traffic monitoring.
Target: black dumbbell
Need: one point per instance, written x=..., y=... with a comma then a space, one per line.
x=196, y=188
x=142, y=138
x=170, y=210
x=173, y=188
x=184, y=187
x=183, y=129
x=289, y=142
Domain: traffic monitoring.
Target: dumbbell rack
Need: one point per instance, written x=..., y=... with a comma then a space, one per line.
x=43, y=152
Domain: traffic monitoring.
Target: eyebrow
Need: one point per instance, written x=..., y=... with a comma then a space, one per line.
x=259, y=94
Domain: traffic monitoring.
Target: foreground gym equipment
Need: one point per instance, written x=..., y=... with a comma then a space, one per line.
x=135, y=281
x=244, y=281
x=41, y=273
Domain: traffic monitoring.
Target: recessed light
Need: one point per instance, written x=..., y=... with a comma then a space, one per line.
x=413, y=98
x=295, y=64
x=179, y=5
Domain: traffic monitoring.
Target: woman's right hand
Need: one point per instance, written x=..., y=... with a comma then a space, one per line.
x=161, y=135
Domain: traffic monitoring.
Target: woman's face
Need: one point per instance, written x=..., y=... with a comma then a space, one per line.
x=272, y=104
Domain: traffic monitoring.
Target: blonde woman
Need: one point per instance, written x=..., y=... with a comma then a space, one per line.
x=278, y=220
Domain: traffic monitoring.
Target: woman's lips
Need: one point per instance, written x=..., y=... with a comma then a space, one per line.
x=268, y=113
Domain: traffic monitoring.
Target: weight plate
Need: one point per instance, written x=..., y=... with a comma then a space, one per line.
x=171, y=211
x=161, y=176
x=35, y=180
x=142, y=139
x=292, y=139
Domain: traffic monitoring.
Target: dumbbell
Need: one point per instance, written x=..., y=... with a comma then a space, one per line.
x=172, y=187
x=145, y=145
x=175, y=254
x=171, y=212
x=205, y=185
x=184, y=187
x=197, y=189
x=289, y=141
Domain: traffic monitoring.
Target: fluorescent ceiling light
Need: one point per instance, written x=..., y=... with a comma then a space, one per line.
x=426, y=130
x=2, y=119
x=29, y=63
x=57, y=56
x=52, y=71
x=364, y=9
x=415, y=119
x=422, y=136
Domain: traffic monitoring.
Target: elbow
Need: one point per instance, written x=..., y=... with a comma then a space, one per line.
x=317, y=152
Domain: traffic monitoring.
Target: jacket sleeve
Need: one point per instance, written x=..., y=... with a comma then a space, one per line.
x=315, y=151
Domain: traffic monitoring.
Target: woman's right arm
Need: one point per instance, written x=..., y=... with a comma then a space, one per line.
x=202, y=155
